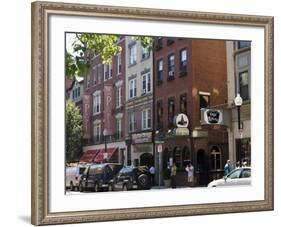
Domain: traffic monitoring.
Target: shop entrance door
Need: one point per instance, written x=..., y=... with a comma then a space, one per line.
x=146, y=159
x=202, y=168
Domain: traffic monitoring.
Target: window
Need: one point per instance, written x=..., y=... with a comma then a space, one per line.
x=146, y=83
x=183, y=104
x=171, y=111
x=94, y=75
x=243, y=44
x=97, y=103
x=99, y=72
x=132, y=88
x=78, y=91
x=105, y=72
x=244, y=85
x=110, y=70
x=183, y=61
x=159, y=43
x=159, y=115
x=145, y=53
x=216, y=159
x=243, y=150
x=119, y=63
x=88, y=79
x=204, y=101
x=118, y=128
x=171, y=66
x=132, y=121
x=160, y=70
x=133, y=54
x=146, y=119
x=235, y=174
x=170, y=41
x=97, y=132
x=118, y=97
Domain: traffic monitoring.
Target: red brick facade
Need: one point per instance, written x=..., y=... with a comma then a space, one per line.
x=205, y=74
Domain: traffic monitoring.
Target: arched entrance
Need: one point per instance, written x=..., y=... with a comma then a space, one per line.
x=146, y=159
x=202, y=167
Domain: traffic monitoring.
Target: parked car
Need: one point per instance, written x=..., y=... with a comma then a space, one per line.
x=73, y=175
x=240, y=176
x=131, y=177
x=97, y=177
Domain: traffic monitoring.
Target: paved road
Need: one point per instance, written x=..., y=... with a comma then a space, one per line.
x=152, y=189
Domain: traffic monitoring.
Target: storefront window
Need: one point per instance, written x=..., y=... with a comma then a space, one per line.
x=216, y=159
x=243, y=150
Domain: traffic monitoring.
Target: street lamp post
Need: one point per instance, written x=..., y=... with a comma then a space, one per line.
x=238, y=103
x=105, y=142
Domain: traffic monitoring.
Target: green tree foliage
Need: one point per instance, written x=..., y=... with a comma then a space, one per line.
x=74, y=132
x=87, y=45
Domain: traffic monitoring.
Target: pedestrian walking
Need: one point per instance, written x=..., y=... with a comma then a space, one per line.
x=238, y=165
x=152, y=174
x=173, y=175
x=227, y=168
x=190, y=174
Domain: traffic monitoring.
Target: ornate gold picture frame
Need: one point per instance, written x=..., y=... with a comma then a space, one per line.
x=41, y=67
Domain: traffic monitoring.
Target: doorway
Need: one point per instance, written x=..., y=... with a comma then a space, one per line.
x=146, y=159
x=202, y=167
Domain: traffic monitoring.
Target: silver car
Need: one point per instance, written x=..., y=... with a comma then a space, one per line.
x=240, y=176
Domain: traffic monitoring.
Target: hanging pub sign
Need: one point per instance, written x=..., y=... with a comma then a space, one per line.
x=181, y=121
x=211, y=116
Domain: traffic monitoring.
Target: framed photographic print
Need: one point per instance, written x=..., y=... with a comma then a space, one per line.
x=149, y=113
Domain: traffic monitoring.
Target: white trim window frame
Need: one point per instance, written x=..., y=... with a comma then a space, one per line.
x=132, y=88
x=146, y=119
x=146, y=83
x=119, y=63
x=110, y=71
x=132, y=121
x=145, y=53
x=97, y=103
x=118, y=97
x=133, y=54
x=105, y=72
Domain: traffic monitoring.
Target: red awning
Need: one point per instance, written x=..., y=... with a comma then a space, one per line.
x=89, y=156
x=105, y=156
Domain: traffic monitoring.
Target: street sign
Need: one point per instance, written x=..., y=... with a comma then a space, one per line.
x=159, y=148
x=159, y=141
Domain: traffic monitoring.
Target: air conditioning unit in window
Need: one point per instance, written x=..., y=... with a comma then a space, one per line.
x=171, y=73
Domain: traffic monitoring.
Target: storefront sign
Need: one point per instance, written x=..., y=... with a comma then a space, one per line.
x=181, y=121
x=181, y=132
x=199, y=133
x=212, y=116
x=145, y=137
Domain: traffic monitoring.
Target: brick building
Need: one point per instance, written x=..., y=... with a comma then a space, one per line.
x=104, y=110
x=190, y=75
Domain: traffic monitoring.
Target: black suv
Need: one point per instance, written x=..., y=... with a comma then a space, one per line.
x=131, y=177
x=97, y=177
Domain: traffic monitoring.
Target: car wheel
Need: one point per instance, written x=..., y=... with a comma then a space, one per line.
x=96, y=187
x=71, y=186
x=143, y=181
x=81, y=188
x=110, y=187
x=125, y=187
